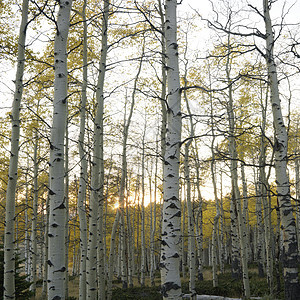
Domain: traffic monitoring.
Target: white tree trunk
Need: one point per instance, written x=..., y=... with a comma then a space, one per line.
x=9, y=237
x=34, y=217
x=199, y=217
x=191, y=221
x=143, y=237
x=234, y=179
x=153, y=224
x=260, y=253
x=56, y=234
x=170, y=258
x=66, y=192
x=290, y=253
x=97, y=179
x=81, y=202
x=119, y=218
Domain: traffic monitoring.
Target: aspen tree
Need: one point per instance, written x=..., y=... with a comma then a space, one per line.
x=213, y=178
x=66, y=197
x=153, y=222
x=163, y=83
x=143, y=237
x=81, y=202
x=34, y=217
x=119, y=218
x=27, y=239
x=9, y=236
x=191, y=221
x=130, y=240
x=260, y=250
x=199, y=216
x=45, y=261
x=97, y=176
x=57, y=215
x=288, y=226
x=297, y=179
x=234, y=177
x=264, y=190
x=170, y=258
x=100, y=109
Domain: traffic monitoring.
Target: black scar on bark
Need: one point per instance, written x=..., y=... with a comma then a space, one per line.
x=164, y=243
x=61, y=206
x=63, y=269
x=169, y=286
x=172, y=198
x=49, y=263
x=172, y=205
x=51, y=192
x=178, y=214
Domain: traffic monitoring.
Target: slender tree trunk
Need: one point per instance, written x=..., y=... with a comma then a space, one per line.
x=183, y=234
x=235, y=252
x=213, y=177
x=56, y=234
x=97, y=179
x=130, y=242
x=153, y=226
x=290, y=254
x=264, y=189
x=191, y=224
x=191, y=220
x=199, y=217
x=9, y=237
x=34, y=217
x=27, y=239
x=163, y=83
x=45, y=262
x=100, y=101
x=297, y=169
x=119, y=218
x=234, y=179
x=170, y=258
x=245, y=209
x=259, y=233
x=143, y=237
x=81, y=202
x=67, y=236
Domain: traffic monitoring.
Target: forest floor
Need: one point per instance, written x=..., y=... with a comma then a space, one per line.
x=227, y=288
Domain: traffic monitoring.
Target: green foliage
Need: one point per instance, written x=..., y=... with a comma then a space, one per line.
x=228, y=287
x=137, y=293
x=22, y=285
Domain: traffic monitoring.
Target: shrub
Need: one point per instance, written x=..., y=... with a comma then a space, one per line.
x=21, y=283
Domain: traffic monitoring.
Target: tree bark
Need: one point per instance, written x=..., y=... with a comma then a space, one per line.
x=56, y=234
x=83, y=178
x=9, y=236
x=170, y=258
x=234, y=178
x=288, y=226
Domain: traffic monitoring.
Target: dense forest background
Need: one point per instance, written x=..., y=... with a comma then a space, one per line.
x=118, y=104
